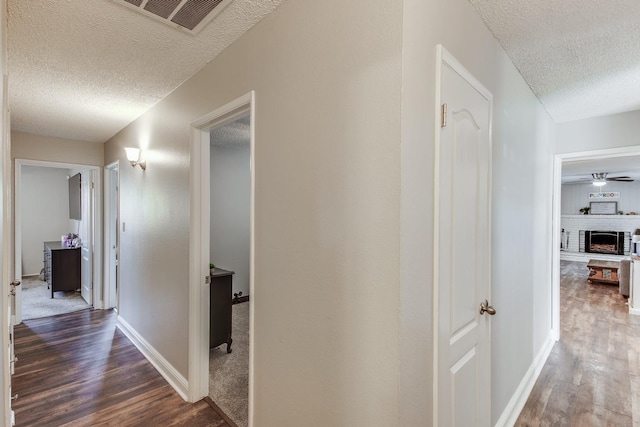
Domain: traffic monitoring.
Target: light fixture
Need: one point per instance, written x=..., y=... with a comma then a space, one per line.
x=599, y=179
x=133, y=155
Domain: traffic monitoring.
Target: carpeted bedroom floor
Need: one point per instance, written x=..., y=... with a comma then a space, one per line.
x=229, y=372
x=37, y=301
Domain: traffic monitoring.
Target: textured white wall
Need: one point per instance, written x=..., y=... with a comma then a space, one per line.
x=230, y=211
x=576, y=196
x=327, y=79
x=45, y=212
x=523, y=136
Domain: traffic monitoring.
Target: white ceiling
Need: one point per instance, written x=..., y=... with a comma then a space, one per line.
x=85, y=69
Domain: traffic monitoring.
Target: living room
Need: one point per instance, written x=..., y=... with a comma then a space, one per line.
x=595, y=200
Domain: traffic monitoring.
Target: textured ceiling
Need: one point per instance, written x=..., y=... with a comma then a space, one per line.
x=580, y=57
x=234, y=134
x=84, y=70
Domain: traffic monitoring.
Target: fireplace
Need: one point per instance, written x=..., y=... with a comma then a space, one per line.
x=604, y=242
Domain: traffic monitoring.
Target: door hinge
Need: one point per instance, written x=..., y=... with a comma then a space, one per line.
x=443, y=120
x=207, y=280
x=92, y=186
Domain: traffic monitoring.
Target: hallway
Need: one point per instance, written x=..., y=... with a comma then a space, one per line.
x=592, y=376
x=78, y=369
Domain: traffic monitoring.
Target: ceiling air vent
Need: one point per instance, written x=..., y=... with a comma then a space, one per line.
x=189, y=15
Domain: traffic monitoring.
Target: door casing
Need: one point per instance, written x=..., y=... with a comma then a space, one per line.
x=111, y=233
x=96, y=226
x=199, y=235
x=558, y=160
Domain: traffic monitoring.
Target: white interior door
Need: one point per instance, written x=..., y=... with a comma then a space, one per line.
x=463, y=249
x=112, y=234
x=86, y=236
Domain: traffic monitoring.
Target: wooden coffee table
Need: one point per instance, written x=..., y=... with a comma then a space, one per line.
x=603, y=271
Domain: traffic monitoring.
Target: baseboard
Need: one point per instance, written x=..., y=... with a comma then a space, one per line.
x=173, y=377
x=635, y=311
x=519, y=398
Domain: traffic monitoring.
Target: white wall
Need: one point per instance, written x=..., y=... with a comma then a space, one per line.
x=344, y=208
x=576, y=196
x=52, y=149
x=327, y=79
x=230, y=210
x=616, y=130
x=523, y=137
x=45, y=212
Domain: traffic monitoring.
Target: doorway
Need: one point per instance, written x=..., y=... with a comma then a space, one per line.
x=111, y=234
x=230, y=244
x=90, y=242
x=559, y=160
x=200, y=232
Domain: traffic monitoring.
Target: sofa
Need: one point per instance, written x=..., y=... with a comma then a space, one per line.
x=624, y=276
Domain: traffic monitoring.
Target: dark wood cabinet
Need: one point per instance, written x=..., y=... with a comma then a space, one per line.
x=220, y=304
x=61, y=267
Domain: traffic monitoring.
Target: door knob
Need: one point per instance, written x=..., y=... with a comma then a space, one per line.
x=486, y=308
x=15, y=283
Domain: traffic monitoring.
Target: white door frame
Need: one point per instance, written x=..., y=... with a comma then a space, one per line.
x=199, y=232
x=110, y=283
x=88, y=211
x=558, y=159
x=96, y=226
x=6, y=211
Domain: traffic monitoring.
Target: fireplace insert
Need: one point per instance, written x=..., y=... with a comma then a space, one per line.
x=604, y=242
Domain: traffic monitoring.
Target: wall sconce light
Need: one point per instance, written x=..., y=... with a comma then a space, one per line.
x=133, y=155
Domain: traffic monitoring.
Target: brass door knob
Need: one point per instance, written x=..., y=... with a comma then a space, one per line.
x=486, y=308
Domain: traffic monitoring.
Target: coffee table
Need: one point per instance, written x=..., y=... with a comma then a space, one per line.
x=603, y=271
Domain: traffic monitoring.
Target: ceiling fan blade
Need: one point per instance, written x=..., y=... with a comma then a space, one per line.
x=621, y=179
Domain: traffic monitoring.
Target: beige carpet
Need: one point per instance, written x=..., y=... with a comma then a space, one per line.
x=229, y=372
x=37, y=302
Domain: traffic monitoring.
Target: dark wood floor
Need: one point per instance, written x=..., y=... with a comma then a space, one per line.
x=592, y=376
x=77, y=369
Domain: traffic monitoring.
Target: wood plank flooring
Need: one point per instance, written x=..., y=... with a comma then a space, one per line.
x=592, y=376
x=78, y=369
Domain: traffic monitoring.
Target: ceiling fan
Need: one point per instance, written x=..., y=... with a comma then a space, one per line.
x=600, y=178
